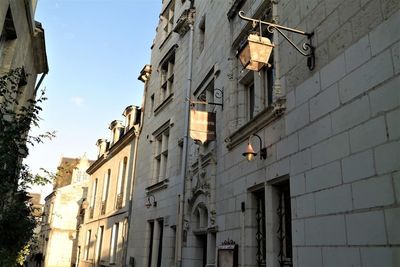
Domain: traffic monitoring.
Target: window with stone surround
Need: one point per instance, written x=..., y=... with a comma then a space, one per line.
x=93, y=198
x=161, y=154
x=167, y=77
x=202, y=33
x=155, y=242
x=114, y=243
x=121, y=182
x=167, y=19
x=104, y=197
x=87, y=244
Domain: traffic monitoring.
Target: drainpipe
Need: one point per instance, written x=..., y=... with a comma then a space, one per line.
x=181, y=208
x=40, y=82
x=277, y=89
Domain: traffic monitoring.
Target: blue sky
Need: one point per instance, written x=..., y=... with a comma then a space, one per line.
x=95, y=50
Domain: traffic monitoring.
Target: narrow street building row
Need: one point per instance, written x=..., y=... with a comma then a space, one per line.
x=294, y=161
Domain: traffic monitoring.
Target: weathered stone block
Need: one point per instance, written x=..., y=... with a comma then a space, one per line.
x=327, y=27
x=358, y=166
x=396, y=57
x=305, y=206
x=297, y=119
x=334, y=200
x=287, y=146
x=358, y=53
x=368, y=135
x=309, y=257
x=315, y=132
x=329, y=150
x=297, y=185
x=387, y=157
x=392, y=217
x=385, y=97
x=387, y=33
x=340, y=39
x=367, y=228
x=347, y=9
x=333, y=72
x=396, y=181
x=380, y=256
x=366, y=19
x=300, y=162
x=327, y=230
x=298, y=233
x=377, y=70
x=324, y=102
x=373, y=192
x=307, y=89
x=393, y=123
x=341, y=256
x=325, y=176
x=350, y=115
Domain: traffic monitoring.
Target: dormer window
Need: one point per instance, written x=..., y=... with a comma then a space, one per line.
x=117, y=130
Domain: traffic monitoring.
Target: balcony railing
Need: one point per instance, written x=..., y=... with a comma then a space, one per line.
x=103, y=207
x=118, y=204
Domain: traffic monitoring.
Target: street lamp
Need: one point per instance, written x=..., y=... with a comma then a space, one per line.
x=250, y=153
x=256, y=52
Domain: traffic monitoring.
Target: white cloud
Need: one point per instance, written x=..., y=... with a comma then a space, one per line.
x=78, y=101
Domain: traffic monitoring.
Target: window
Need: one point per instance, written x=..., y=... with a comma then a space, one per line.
x=284, y=216
x=99, y=243
x=202, y=32
x=156, y=229
x=151, y=104
x=258, y=89
x=121, y=182
x=87, y=244
x=8, y=38
x=150, y=242
x=167, y=78
x=167, y=19
x=104, y=196
x=114, y=243
x=250, y=100
x=161, y=156
x=260, y=228
x=93, y=198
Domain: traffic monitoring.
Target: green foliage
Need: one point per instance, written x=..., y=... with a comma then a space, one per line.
x=16, y=220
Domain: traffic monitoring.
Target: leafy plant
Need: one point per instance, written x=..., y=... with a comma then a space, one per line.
x=16, y=219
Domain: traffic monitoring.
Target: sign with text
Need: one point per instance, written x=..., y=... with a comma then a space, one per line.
x=202, y=126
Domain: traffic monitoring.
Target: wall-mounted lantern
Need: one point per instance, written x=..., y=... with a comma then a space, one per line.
x=256, y=52
x=250, y=153
x=151, y=201
x=145, y=73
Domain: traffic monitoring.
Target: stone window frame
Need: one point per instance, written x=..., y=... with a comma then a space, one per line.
x=166, y=80
x=160, y=139
x=167, y=18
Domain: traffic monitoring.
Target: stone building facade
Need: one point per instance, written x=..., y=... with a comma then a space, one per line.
x=103, y=232
x=58, y=233
x=327, y=193
x=22, y=45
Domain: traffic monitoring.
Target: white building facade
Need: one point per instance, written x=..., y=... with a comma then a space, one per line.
x=327, y=193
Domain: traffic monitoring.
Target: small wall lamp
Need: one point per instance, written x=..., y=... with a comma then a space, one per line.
x=151, y=201
x=145, y=73
x=257, y=50
x=250, y=153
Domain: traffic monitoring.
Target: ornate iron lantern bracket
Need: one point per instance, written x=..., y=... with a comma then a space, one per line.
x=307, y=49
